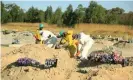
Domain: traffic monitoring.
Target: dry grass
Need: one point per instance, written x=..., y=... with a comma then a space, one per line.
x=103, y=29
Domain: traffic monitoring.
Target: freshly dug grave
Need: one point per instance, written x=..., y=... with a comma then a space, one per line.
x=66, y=67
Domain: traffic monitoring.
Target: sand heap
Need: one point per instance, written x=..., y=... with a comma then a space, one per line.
x=66, y=68
x=125, y=73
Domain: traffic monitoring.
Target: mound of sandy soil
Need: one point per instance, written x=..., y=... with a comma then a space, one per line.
x=125, y=73
x=66, y=67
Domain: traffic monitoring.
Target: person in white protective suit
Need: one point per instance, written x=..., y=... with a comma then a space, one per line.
x=49, y=38
x=45, y=37
x=85, y=43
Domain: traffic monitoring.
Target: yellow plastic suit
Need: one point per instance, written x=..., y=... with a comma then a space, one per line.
x=38, y=37
x=68, y=39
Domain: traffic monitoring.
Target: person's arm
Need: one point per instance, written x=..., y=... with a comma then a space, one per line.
x=78, y=49
x=59, y=44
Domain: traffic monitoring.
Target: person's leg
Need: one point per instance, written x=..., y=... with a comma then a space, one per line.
x=86, y=49
x=79, y=49
x=84, y=52
x=72, y=50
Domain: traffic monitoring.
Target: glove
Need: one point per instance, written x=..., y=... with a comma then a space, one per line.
x=57, y=47
x=76, y=43
x=77, y=54
x=35, y=36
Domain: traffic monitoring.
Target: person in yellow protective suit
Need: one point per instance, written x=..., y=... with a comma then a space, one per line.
x=68, y=41
x=38, y=34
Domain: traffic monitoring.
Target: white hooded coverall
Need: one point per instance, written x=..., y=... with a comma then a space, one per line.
x=85, y=43
x=50, y=42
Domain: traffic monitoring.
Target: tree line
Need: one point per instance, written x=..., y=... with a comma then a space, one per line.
x=94, y=13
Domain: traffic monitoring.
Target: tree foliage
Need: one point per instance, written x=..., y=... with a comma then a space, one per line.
x=4, y=14
x=113, y=15
x=94, y=13
x=68, y=16
x=126, y=18
x=15, y=13
x=80, y=13
x=57, y=17
x=33, y=15
x=48, y=15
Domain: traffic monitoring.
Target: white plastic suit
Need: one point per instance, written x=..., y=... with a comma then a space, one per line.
x=48, y=37
x=85, y=43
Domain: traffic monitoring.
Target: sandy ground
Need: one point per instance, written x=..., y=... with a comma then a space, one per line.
x=24, y=37
x=5, y=50
x=66, y=69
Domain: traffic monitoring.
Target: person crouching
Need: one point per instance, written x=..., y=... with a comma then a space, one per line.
x=67, y=42
x=84, y=45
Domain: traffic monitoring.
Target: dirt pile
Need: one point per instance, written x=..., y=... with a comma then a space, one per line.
x=66, y=67
x=125, y=73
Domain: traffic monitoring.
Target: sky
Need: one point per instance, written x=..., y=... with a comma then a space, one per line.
x=126, y=5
